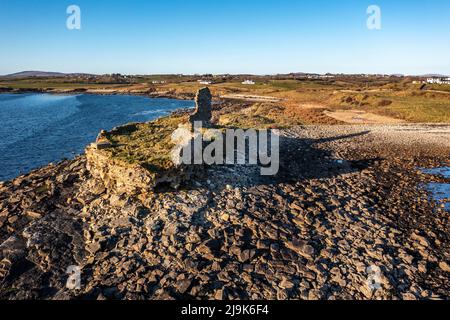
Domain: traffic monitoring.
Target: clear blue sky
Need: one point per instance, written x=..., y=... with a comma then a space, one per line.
x=225, y=36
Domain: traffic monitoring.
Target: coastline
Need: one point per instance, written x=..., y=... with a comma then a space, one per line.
x=176, y=96
x=74, y=93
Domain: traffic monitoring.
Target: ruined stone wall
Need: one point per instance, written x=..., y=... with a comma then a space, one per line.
x=118, y=177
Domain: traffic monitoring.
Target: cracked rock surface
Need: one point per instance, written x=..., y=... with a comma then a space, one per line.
x=347, y=200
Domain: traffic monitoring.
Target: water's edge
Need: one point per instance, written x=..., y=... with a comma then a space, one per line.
x=440, y=192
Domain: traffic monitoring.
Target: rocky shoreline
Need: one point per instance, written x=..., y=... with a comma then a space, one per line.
x=347, y=198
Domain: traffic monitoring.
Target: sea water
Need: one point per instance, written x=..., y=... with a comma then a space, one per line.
x=36, y=129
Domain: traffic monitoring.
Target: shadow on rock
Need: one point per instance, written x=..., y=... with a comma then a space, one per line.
x=300, y=159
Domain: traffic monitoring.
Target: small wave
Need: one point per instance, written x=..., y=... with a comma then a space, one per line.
x=147, y=112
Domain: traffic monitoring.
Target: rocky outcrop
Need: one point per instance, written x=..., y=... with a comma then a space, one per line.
x=131, y=179
x=126, y=166
x=114, y=176
x=147, y=173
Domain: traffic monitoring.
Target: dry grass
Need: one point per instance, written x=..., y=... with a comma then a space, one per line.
x=412, y=106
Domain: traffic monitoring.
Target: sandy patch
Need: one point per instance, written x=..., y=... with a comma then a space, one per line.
x=361, y=117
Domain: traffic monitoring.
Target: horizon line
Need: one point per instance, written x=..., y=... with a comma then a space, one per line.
x=222, y=74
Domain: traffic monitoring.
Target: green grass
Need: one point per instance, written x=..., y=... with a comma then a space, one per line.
x=283, y=85
x=146, y=144
x=420, y=109
x=412, y=106
x=438, y=87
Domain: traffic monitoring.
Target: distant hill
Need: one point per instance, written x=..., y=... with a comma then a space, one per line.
x=28, y=74
x=432, y=75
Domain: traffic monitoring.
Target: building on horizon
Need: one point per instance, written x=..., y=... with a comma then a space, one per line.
x=437, y=80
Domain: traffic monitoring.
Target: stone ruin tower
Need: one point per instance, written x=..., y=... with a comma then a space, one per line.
x=203, y=109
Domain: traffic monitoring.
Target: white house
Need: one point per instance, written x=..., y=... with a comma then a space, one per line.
x=326, y=76
x=204, y=82
x=248, y=82
x=438, y=80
